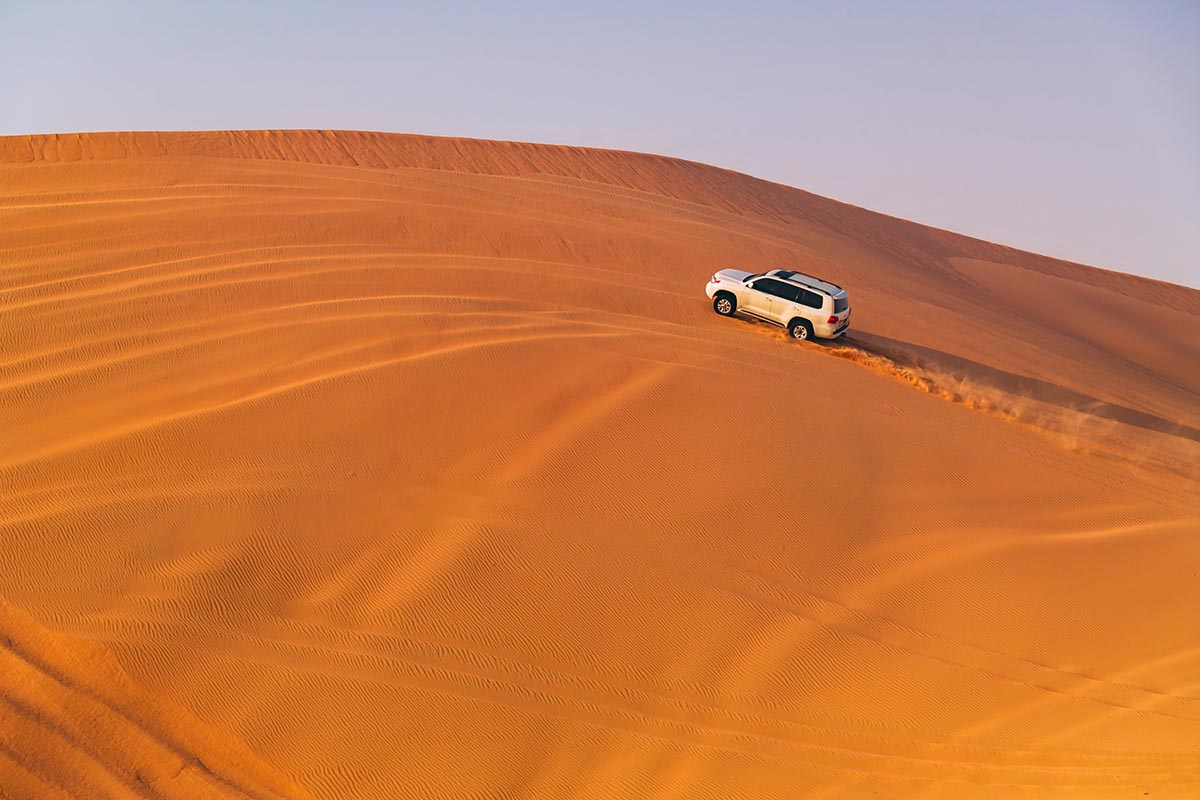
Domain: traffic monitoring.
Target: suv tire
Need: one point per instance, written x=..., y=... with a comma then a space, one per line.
x=724, y=304
x=800, y=329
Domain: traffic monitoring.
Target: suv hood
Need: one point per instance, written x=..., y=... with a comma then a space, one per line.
x=737, y=275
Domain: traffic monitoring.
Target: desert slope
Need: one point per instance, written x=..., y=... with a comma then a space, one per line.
x=423, y=467
x=72, y=724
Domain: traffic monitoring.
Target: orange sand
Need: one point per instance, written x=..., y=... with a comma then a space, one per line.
x=72, y=724
x=420, y=467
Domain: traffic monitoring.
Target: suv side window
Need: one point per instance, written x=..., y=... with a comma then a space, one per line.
x=782, y=290
x=768, y=286
x=791, y=293
x=811, y=299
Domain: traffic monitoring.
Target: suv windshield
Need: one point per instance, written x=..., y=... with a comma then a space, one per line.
x=840, y=304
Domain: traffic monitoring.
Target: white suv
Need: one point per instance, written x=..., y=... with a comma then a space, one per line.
x=805, y=305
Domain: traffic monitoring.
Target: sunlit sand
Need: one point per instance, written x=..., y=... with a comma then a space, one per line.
x=351, y=465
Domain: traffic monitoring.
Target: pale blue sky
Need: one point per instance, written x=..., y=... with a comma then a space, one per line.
x=1065, y=127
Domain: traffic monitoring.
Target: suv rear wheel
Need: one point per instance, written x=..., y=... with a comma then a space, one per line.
x=800, y=329
x=724, y=304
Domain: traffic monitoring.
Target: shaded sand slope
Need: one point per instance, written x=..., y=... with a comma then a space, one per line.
x=423, y=467
x=72, y=724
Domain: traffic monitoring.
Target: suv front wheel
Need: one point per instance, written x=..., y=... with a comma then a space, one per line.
x=800, y=329
x=724, y=304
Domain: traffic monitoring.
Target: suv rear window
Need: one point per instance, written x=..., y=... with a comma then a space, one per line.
x=840, y=304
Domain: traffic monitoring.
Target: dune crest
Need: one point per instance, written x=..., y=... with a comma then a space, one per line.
x=423, y=467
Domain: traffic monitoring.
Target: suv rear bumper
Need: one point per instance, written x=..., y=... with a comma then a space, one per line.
x=832, y=331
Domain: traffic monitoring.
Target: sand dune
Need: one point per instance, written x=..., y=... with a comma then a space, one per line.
x=74, y=725
x=423, y=468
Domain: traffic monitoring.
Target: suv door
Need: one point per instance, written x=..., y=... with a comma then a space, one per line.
x=810, y=304
x=793, y=301
x=785, y=307
x=757, y=298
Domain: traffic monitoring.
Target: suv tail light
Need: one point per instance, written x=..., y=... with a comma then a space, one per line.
x=832, y=319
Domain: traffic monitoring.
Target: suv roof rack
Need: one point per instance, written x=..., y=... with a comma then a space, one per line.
x=788, y=274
